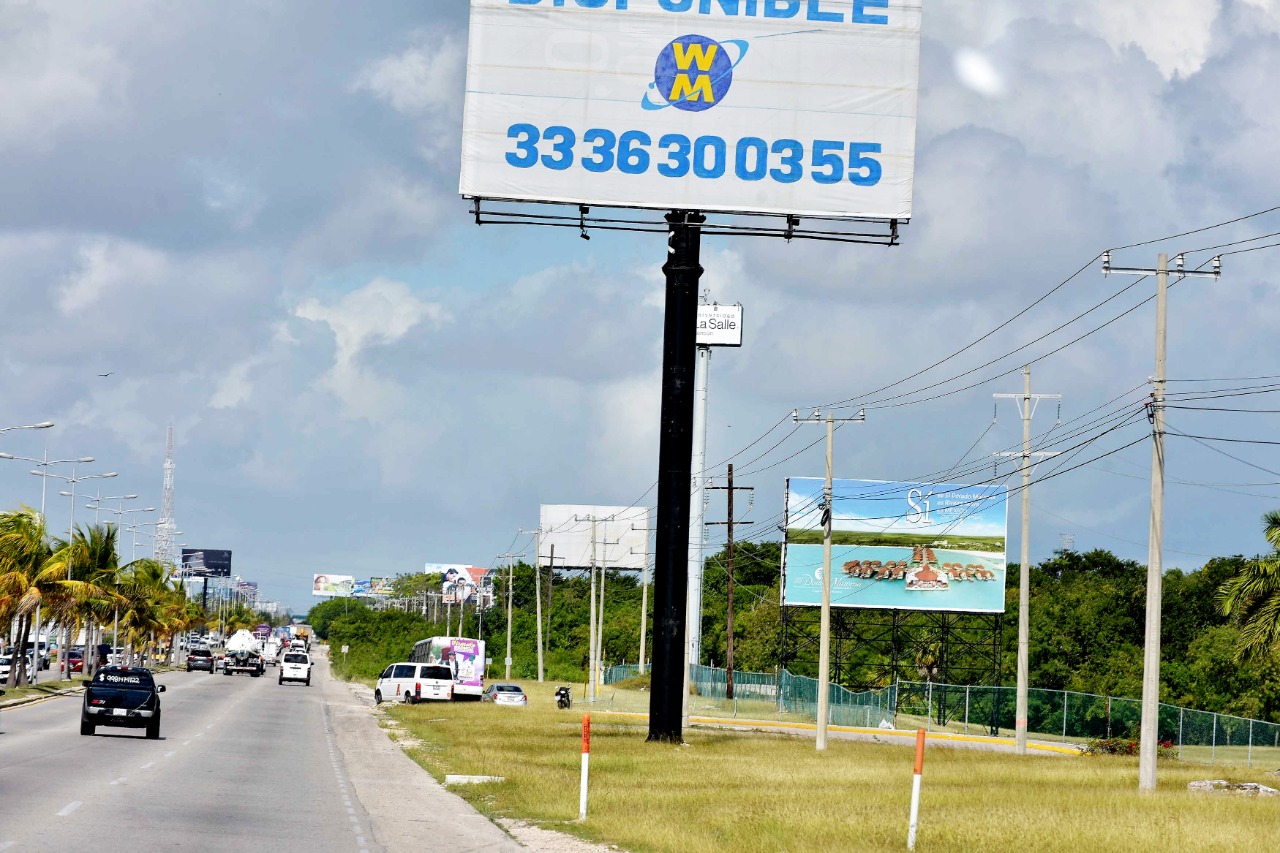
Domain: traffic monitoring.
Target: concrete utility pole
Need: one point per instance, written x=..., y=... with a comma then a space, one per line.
x=1027, y=406
x=824, y=637
x=697, y=508
x=728, y=664
x=591, y=618
x=1148, y=741
x=511, y=568
x=537, y=592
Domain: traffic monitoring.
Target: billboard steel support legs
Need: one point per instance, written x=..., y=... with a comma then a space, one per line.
x=675, y=468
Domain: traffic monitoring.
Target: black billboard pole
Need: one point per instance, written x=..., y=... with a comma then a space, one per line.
x=675, y=464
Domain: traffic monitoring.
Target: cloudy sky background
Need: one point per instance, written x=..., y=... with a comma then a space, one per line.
x=248, y=213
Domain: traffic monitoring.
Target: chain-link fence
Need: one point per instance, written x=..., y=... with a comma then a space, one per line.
x=1062, y=716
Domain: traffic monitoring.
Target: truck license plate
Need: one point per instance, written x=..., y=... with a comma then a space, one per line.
x=119, y=712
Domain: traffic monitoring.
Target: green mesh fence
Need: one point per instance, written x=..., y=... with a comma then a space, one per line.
x=1053, y=716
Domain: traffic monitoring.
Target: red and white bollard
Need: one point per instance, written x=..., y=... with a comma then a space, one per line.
x=586, y=761
x=915, y=791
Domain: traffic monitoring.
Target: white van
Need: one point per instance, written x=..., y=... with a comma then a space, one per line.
x=414, y=682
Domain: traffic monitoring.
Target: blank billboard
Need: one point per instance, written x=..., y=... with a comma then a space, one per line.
x=803, y=107
x=621, y=536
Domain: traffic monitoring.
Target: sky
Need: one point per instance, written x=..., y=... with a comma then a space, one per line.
x=247, y=214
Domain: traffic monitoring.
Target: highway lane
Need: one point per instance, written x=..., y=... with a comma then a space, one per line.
x=242, y=764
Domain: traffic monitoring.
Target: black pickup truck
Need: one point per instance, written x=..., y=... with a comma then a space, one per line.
x=125, y=696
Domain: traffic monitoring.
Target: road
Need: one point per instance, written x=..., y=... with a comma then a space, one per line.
x=242, y=764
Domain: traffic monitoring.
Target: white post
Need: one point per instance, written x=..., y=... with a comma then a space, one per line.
x=693, y=606
x=915, y=791
x=511, y=570
x=586, y=762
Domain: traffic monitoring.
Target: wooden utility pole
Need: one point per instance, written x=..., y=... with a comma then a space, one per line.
x=728, y=664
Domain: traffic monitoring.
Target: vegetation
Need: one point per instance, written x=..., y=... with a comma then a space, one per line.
x=804, y=536
x=80, y=585
x=777, y=793
x=1219, y=629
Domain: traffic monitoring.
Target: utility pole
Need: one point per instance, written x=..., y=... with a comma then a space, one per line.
x=728, y=664
x=1027, y=406
x=697, y=508
x=537, y=592
x=824, y=637
x=511, y=568
x=1149, y=728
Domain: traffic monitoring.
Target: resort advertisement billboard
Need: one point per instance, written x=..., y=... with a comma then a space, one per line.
x=332, y=584
x=897, y=545
x=804, y=107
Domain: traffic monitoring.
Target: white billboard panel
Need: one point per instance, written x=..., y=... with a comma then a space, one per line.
x=804, y=107
x=719, y=326
x=621, y=536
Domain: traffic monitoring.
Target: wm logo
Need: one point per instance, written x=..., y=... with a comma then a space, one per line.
x=691, y=85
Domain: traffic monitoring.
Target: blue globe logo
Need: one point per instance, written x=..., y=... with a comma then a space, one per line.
x=693, y=73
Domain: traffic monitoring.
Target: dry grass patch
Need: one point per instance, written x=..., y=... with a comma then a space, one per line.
x=769, y=792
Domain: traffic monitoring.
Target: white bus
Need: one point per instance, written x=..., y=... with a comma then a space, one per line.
x=463, y=655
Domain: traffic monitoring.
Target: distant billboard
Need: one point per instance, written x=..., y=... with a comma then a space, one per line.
x=803, y=107
x=621, y=536
x=462, y=584
x=898, y=545
x=719, y=325
x=332, y=584
x=371, y=587
x=206, y=562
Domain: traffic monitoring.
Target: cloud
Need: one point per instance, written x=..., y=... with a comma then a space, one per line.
x=423, y=80
x=106, y=266
x=381, y=312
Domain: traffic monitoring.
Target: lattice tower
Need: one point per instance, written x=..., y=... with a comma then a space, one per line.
x=166, y=526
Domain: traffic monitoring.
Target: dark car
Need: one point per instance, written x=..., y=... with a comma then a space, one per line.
x=200, y=659
x=125, y=696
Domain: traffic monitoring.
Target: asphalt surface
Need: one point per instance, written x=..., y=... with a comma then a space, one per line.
x=242, y=764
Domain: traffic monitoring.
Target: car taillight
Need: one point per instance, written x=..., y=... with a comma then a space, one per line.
x=417, y=690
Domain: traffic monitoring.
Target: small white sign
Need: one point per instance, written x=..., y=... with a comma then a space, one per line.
x=508, y=661
x=345, y=649
x=719, y=325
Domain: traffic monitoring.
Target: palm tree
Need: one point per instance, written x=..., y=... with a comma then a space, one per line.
x=24, y=550
x=76, y=573
x=1252, y=597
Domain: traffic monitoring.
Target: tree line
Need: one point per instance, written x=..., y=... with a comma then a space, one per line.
x=1220, y=627
x=81, y=585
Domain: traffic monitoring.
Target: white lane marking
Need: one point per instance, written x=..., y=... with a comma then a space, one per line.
x=69, y=808
x=118, y=781
x=5, y=845
x=148, y=765
x=169, y=753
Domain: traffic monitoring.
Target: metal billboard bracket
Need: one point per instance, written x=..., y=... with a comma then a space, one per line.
x=787, y=226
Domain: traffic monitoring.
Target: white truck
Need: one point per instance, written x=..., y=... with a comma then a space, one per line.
x=244, y=654
x=271, y=652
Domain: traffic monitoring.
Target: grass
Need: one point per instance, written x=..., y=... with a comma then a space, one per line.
x=730, y=791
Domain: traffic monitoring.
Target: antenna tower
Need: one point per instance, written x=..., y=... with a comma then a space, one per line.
x=166, y=526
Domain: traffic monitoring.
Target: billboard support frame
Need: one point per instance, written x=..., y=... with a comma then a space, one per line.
x=889, y=635
x=510, y=212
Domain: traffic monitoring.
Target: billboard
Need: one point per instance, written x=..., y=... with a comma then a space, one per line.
x=719, y=325
x=332, y=584
x=803, y=107
x=371, y=587
x=621, y=536
x=896, y=545
x=462, y=584
x=206, y=563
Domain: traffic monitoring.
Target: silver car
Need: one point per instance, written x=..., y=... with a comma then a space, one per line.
x=504, y=694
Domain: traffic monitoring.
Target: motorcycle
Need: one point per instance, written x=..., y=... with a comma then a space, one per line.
x=563, y=698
